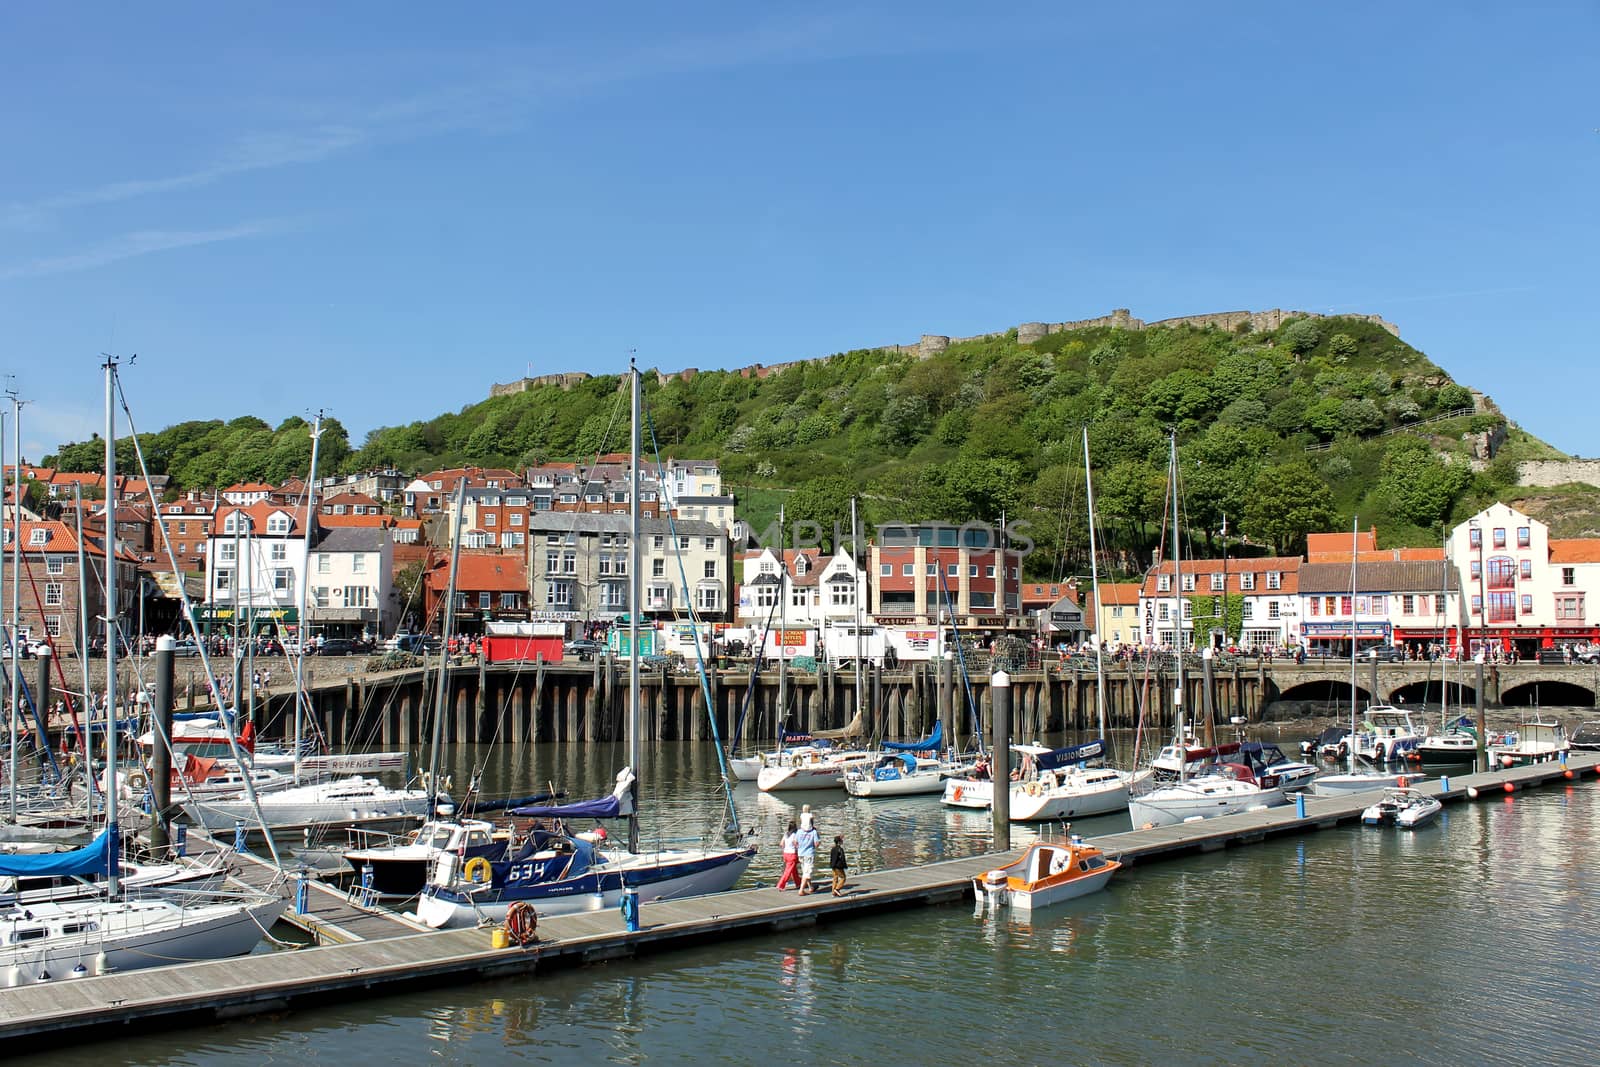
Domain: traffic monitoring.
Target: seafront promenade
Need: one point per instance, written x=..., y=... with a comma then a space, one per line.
x=383, y=955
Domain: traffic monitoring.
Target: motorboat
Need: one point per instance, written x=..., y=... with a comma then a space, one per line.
x=1268, y=760
x=1587, y=735
x=897, y=775
x=1173, y=763
x=1538, y=741
x=1387, y=734
x=1048, y=873
x=1458, y=744
x=1333, y=785
x=1228, y=788
x=1326, y=744
x=1402, y=807
x=813, y=768
x=561, y=873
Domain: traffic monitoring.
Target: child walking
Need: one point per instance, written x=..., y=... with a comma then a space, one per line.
x=837, y=863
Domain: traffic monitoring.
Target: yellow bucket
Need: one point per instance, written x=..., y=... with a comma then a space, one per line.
x=500, y=939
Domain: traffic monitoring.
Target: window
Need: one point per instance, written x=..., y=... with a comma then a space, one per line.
x=841, y=595
x=277, y=523
x=708, y=598
x=972, y=570
x=1361, y=605
x=183, y=528
x=1499, y=537
x=658, y=568
x=357, y=596
x=1524, y=537
x=1569, y=576
x=1475, y=537
x=1569, y=607
x=52, y=594
x=52, y=625
x=1502, y=607
x=1477, y=604
x=1272, y=609
x=558, y=595
x=1314, y=606
x=555, y=539
x=279, y=552
x=907, y=570
x=1116, y=612
x=988, y=572
x=657, y=542
x=58, y=565
x=1408, y=604
x=552, y=561
x=1476, y=570
x=1527, y=569
x=766, y=596
x=515, y=518
x=319, y=596
x=1216, y=582
x=1163, y=611
x=489, y=518
x=1247, y=580
x=510, y=601
x=657, y=595
x=1345, y=605
x=1502, y=572
x=1527, y=604
x=953, y=570
x=569, y=562
x=932, y=570
x=711, y=544
x=324, y=564
x=1438, y=604
x=711, y=568
x=614, y=596
x=358, y=563
x=1247, y=609
x=281, y=580
x=39, y=536
x=885, y=570
x=1164, y=583
x=1188, y=583
x=799, y=598
x=683, y=544
x=224, y=581
x=485, y=601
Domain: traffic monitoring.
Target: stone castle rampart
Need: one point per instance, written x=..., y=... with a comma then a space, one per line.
x=1028, y=332
x=1549, y=472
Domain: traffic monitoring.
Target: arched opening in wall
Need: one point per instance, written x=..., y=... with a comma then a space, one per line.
x=1320, y=700
x=1548, y=695
x=1433, y=696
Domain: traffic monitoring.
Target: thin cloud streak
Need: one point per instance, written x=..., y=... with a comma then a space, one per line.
x=138, y=243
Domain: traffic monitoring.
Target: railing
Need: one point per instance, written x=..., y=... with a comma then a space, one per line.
x=1456, y=413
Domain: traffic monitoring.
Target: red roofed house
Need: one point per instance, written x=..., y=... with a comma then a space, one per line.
x=1268, y=584
x=489, y=586
x=49, y=583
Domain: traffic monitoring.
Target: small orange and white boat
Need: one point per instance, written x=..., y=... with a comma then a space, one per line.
x=1048, y=873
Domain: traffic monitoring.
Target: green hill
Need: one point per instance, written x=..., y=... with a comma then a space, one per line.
x=1284, y=432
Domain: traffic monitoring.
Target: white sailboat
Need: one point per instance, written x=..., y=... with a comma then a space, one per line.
x=1353, y=780
x=1226, y=788
x=556, y=872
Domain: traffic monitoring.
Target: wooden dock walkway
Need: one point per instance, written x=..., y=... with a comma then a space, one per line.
x=62, y=1012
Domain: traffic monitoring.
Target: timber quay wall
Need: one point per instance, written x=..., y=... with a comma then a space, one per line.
x=576, y=702
x=54, y=1014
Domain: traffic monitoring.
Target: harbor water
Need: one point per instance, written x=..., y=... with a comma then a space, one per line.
x=1466, y=942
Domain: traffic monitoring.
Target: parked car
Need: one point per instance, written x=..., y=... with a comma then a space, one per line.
x=1586, y=653
x=339, y=646
x=1388, y=653
x=416, y=644
x=583, y=651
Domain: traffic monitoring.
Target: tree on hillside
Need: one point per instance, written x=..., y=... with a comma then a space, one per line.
x=1289, y=502
x=826, y=502
x=1418, y=486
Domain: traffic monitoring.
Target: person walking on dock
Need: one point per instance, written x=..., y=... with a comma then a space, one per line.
x=806, y=846
x=791, y=859
x=838, y=864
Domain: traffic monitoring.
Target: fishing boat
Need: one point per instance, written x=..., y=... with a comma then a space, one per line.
x=1538, y=741
x=1402, y=807
x=1048, y=873
x=558, y=872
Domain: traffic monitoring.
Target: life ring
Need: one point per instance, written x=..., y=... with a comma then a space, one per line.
x=478, y=870
x=1032, y=789
x=522, y=922
x=956, y=796
x=137, y=781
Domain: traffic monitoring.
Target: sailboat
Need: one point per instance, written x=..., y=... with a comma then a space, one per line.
x=1225, y=788
x=1353, y=780
x=74, y=939
x=558, y=872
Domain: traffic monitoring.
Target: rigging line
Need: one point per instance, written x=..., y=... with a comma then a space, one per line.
x=188, y=608
x=966, y=680
x=711, y=711
x=61, y=675
x=755, y=664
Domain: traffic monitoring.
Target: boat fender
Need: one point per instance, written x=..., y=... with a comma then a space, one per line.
x=137, y=781
x=957, y=794
x=477, y=870
x=1402, y=782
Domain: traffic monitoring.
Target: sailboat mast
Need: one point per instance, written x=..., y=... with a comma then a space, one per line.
x=16, y=560
x=1355, y=526
x=855, y=545
x=82, y=637
x=305, y=582
x=1094, y=578
x=442, y=692
x=635, y=602
x=783, y=624
x=11, y=720
x=1177, y=620
x=112, y=886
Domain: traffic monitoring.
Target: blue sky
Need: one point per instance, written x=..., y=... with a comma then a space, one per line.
x=380, y=209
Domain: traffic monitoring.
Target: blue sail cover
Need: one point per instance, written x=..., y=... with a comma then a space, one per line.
x=94, y=858
x=932, y=741
x=1062, y=757
x=607, y=807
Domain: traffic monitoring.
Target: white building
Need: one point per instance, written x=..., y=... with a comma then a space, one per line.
x=352, y=586
x=255, y=565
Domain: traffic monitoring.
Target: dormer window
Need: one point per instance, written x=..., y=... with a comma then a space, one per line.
x=39, y=536
x=277, y=523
